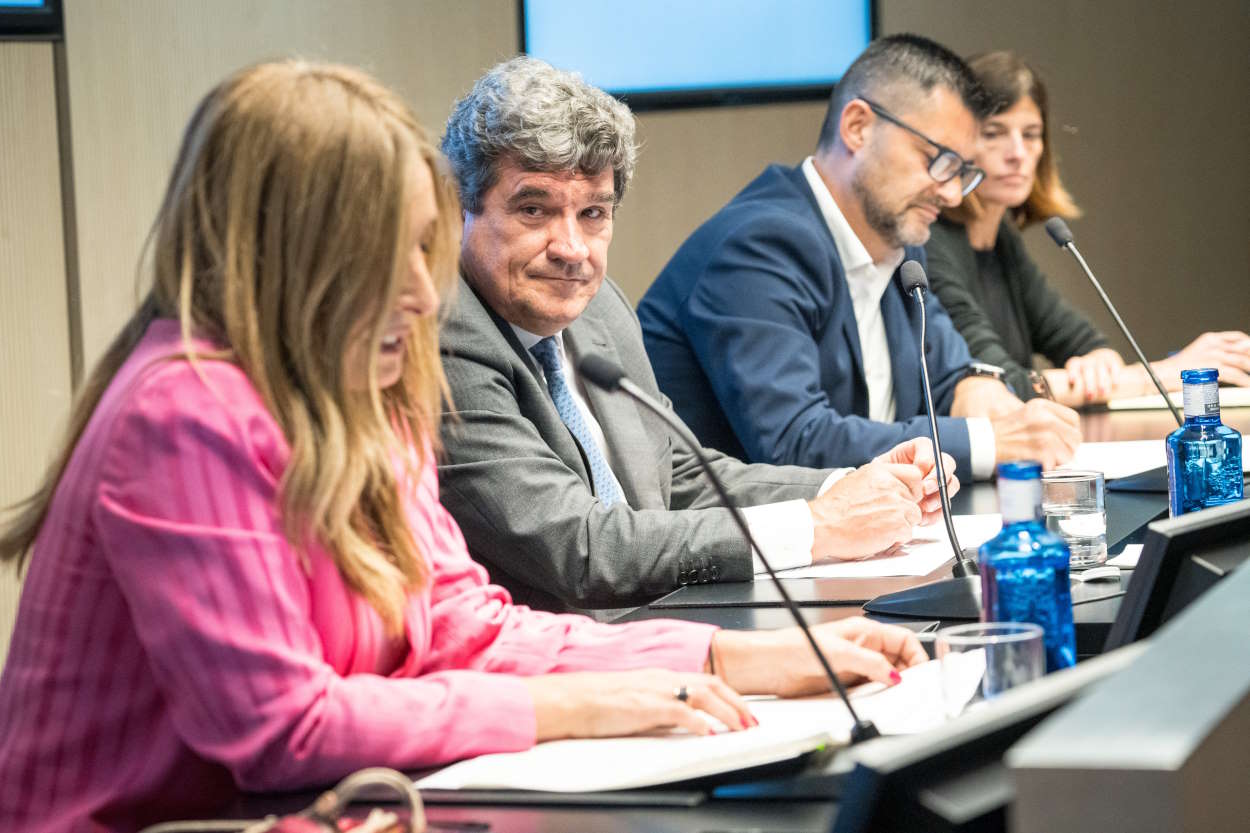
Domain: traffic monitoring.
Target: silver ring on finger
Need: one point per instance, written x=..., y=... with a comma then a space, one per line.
x=682, y=693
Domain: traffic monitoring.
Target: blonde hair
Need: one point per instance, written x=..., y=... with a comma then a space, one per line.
x=1007, y=79
x=283, y=232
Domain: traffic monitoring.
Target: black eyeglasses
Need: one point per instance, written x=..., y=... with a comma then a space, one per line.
x=947, y=164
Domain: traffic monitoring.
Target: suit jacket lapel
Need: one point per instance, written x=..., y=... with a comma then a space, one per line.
x=902, y=332
x=850, y=331
x=623, y=429
x=553, y=429
x=842, y=292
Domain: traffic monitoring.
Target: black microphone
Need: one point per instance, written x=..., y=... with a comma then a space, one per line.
x=958, y=597
x=916, y=283
x=606, y=374
x=1062, y=235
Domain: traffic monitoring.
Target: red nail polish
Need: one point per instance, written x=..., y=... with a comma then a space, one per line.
x=745, y=725
x=896, y=677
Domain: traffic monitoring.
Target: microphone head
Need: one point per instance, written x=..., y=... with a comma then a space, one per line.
x=913, y=277
x=601, y=371
x=1059, y=231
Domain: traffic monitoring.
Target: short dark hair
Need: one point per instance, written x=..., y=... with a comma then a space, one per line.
x=890, y=65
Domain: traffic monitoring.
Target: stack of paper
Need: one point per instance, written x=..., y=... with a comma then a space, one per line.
x=599, y=764
x=1123, y=459
x=1229, y=398
x=788, y=728
x=1119, y=459
x=925, y=552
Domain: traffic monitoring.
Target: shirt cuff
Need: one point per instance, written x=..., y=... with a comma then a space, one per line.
x=981, y=447
x=834, y=477
x=785, y=532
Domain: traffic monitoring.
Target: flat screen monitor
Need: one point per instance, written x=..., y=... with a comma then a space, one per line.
x=1180, y=560
x=953, y=778
x=30, y=19
x=674, y=53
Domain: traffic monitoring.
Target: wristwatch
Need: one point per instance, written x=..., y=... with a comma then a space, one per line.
x=990, y=371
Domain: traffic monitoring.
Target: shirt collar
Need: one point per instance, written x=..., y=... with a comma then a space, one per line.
x=528, y=339
x=852, y=252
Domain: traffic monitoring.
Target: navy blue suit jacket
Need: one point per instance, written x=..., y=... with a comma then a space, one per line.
x=752, y=334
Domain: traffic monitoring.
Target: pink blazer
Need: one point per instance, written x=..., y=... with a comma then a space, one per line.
x=171, y=648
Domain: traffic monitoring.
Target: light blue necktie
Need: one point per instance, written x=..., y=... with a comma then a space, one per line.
x=548, y=354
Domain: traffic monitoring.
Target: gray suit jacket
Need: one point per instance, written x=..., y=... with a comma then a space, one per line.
x=518, y=484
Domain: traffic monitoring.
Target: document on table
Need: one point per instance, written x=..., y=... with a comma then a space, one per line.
x=1119, y=459
x=1229, y=398
x=1123, y=459
x=925, y=552
x=788, y=728
x=1127, y=559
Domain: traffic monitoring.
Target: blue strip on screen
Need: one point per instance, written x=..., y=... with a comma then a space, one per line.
x=22, y=4
x=686, y=45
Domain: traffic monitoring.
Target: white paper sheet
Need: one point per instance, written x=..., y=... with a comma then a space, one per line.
x=1119, y=459
x=592, y=765
x=927, y=551
x=1122, y=459
x=1229, y=398
x=787, y=729
x=918, y=704
x=1127, y=559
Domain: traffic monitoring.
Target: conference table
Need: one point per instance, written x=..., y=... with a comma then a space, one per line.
x=758, y=605
x=791, y=803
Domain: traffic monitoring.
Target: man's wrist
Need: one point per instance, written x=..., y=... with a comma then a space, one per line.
x=982, y=396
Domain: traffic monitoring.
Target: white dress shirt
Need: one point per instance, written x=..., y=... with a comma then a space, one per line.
x=867, y=281
x=784, y=530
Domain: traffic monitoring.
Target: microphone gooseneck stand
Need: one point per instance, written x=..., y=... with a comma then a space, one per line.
x=958, y=597
x=1062, y=235
x=916, y=284
x=602, y=372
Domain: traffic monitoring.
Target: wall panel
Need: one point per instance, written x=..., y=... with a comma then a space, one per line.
x=34, y=339
x=137, y=69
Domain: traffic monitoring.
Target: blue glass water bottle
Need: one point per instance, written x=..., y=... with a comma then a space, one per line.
x=1024, y=569
x=1204, y=455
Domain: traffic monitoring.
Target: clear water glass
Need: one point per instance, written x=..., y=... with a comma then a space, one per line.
x=982, y=660
x=1073, y=503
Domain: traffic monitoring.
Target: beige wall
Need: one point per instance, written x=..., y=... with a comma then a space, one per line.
x=136, y=70
x=1147, y=98
x=1151, y=124
x=34, y=337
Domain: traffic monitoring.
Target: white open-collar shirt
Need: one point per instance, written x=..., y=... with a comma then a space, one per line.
x=867, y=281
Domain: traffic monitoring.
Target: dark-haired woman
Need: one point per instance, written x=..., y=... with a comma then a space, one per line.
x=995, y=293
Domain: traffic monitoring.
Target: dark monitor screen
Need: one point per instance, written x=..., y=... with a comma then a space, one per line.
x=1181, y=558
x=666, y=53
x=30, y=19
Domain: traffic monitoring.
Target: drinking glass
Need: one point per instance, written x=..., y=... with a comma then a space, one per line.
x=984, y=659
x=1073, y=504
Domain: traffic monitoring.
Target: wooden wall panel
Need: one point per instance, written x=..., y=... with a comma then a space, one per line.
x=137, y=69
x=34, y=340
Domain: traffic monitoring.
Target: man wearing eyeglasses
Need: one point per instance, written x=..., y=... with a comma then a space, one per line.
x=780, y=329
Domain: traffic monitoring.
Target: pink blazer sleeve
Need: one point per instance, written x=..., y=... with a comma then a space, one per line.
x=186, y=513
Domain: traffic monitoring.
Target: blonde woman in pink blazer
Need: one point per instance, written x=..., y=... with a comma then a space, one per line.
x=238, y=572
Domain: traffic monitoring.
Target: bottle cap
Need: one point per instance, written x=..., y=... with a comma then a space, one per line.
x=1200, y=376
x=1020, y=470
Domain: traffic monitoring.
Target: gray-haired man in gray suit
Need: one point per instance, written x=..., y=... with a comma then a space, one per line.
x=571, y=496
